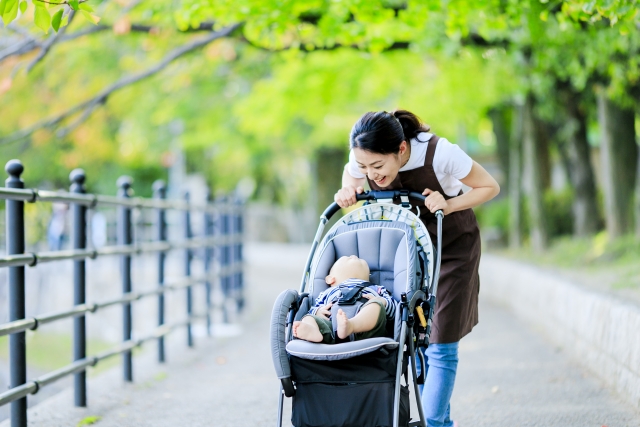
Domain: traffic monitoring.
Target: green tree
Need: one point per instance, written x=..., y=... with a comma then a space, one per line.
x=281, y=80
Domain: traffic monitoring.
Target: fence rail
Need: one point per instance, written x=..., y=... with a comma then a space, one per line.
x=33, y=195
x=32, y=259
x=221, y=241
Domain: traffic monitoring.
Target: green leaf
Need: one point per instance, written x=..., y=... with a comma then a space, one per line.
x=41, y=18
x=544, y=15
x=89, y=420
x=84, y=6
x=10, y=11
x=89, y=17
x=74, y=4
x=55, y=21
x=23, y=6
x=3, y=3
x=65, y=21
x=589, y=7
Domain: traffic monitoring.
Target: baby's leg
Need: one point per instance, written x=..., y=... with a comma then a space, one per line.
x=307, y=329
x=364, y=321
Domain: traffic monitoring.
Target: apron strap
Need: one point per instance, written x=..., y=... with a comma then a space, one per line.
x=431, y=150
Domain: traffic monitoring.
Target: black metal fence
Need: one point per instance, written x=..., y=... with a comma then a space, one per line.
x=220, y=246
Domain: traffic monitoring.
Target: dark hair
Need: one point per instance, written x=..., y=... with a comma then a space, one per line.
x=382, y=132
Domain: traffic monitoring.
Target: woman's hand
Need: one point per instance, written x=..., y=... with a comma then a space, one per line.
x=435, y=201
x=346, y=196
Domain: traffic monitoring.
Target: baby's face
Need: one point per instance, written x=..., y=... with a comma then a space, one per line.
x=348, y=267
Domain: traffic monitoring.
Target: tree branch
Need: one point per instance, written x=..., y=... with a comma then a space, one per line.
x=46, y=46
x=306, y=48
x=102, y=96
x=19, y=48
x=473, y=40
x=30, y=45
x=56, y=3
x=85, y=32
x=62, y=132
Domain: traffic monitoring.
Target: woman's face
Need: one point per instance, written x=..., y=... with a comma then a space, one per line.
x=380, y=168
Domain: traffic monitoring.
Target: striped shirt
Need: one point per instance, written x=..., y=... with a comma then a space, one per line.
x=333, y=294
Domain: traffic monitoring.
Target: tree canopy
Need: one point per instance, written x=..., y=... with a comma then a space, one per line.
x=255, y=81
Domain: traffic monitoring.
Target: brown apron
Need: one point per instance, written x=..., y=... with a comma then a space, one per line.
x=456, y=310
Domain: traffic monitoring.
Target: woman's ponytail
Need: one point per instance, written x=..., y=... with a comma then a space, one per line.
x=382, y=132
x=411, y=124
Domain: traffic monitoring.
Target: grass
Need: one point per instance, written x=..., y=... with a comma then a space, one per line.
x=160, y=376
x=49, y=351
x=614, y=260
x=88, y=420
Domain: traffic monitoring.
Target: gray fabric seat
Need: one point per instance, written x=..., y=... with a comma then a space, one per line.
x=388, y=247
x=390, y=250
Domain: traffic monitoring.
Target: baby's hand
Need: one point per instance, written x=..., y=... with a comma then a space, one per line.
x=376, y=298
x=325, y=310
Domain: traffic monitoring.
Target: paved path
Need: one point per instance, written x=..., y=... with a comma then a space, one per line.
x=508, y=374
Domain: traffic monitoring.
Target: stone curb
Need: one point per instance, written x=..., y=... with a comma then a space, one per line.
x=599, y=331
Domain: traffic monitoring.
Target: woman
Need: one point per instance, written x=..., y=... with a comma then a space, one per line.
x=395, y=150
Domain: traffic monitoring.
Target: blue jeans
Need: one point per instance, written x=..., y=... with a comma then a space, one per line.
x=442, y=363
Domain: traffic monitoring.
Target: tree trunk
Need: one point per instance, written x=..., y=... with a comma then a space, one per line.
x=500, y=119
x=330, y=163
x=580, y=170
x=619, y=157
x=544, y=133
x=535, y=166
x=637, y=213
x=515, y=179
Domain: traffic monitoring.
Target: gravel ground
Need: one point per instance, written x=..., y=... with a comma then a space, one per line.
x=508, y=374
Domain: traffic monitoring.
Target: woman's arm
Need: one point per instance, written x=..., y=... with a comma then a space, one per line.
x=347, y=179
x=483, y=188
x=346, y=196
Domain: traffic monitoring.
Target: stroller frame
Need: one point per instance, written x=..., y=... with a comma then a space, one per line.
x=411, y=304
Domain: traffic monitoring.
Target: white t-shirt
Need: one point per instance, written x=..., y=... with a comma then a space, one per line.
x=450, y=163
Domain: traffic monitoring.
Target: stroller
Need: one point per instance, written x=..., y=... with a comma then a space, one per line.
x=358, y=383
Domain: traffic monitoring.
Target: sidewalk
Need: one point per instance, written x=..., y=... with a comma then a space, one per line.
x=508, y=375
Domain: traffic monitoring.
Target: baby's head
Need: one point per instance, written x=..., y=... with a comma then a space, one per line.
x=348, y=267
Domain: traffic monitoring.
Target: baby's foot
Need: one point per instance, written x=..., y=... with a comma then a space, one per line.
x=344, y=325
x=306, y=332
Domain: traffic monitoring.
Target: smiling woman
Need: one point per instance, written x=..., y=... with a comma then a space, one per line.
x=395, y=150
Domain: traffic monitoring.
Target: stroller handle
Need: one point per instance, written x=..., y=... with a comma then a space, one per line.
x=376, y=195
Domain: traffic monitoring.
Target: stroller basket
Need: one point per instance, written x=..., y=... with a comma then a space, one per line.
x=355, y=391
x=358, y=383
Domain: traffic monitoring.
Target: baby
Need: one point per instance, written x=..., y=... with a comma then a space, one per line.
x=348, y=271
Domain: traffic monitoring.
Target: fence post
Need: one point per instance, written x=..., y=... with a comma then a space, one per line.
x=208, y=255
x=187, y=268
x=16, y=245
x=223, y=255
x=125, y=237
x=233, y=248
x=160, y=192
x=239, y=236
x=79, y=240
x=228, y=254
